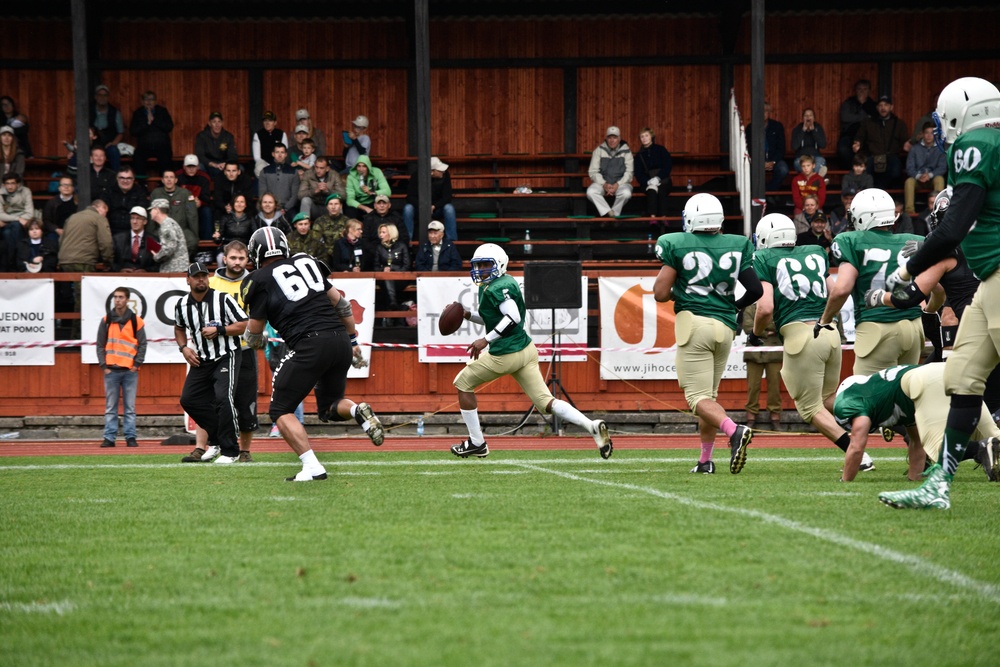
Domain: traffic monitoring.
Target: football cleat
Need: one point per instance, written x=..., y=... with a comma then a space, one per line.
x=465, y=449
x=304, y=476
x=866, y=463
x=603, y=439
x=887, y=433
x=212, y=452
x=738, y=444
x=932, y=494
x=706, y=468
x=226, y=460
x=365, y=416
x=989, y=458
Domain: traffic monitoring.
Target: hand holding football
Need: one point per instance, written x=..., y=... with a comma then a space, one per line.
x=451, y=318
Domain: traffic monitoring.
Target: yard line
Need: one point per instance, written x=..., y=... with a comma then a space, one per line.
x=917, y=565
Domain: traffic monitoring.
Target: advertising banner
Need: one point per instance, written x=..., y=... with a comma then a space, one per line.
x=27, y=315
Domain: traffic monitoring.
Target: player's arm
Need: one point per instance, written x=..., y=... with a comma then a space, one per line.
x=924, y=287
x=508, y=323
x=966, y=203
x=343, y=307
x=664, y=283
x=765, y=310
x=915, y=454
x=840, y=289
x=473, y=317
x=254, y=334
x=860, y=426
x=751, y=283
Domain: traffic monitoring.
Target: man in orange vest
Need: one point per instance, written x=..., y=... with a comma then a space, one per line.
x=121, y=349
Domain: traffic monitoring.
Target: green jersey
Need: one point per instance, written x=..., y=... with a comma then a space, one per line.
x=798, y=276
x=975, y=158
x=875, y=253
x=491, y=295
x=879, y=397
x=707, y=268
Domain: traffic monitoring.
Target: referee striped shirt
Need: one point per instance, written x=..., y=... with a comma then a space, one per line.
x=215, y=307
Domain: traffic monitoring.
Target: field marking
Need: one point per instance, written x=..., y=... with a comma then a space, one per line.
x=917, y=565
x=370, y=603
x=59, y=608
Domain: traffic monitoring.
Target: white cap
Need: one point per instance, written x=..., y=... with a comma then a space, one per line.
x=360, y=121
x=301, y=114
x=139, y=210
x=191, y=160
x=613, y=131
x=438, y=165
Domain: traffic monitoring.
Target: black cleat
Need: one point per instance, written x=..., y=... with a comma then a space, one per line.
x=365, y=415
x=706, y=468
x=465, y=449
x=603, y=438
x=738, y=445
x=989, y=458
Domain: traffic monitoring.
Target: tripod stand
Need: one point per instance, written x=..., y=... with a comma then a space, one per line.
x=553, y=382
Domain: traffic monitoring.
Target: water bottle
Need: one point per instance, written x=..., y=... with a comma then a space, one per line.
x=649, y=244
x=527, y=241
x=690, y=185
x=420, y=426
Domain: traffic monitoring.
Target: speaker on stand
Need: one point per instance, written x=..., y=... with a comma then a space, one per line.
x=552, y=285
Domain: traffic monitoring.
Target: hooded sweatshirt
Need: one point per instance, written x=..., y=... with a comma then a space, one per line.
x=375, y=181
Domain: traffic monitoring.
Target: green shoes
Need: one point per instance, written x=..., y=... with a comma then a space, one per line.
x=932, y=494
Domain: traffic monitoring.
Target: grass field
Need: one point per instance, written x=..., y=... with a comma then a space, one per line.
x=540, y=558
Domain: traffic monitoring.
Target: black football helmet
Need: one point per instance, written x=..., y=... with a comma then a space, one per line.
x=265, y=243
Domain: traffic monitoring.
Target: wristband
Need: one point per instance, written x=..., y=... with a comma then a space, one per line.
x=354, y=340
x=221, y=329
x=182, y=348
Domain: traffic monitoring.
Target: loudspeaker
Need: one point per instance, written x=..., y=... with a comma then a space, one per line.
x=552, y=284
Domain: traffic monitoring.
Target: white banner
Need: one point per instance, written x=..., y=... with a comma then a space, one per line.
x=631, y=318
x=361, y=293
x=27, y=314
x=434, y=293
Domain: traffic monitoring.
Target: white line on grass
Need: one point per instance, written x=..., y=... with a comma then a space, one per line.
x=918, y=565
x=58, y=608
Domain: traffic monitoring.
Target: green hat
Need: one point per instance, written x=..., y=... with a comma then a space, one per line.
x=300, y=216
x=335, y=195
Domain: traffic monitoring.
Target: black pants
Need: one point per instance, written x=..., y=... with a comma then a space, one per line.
x=208, y=396
x=656, y=202
x=320, y=360
x=246, y=391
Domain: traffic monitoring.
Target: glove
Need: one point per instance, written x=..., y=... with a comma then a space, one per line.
x=754, y=341
x=910, y=248
x=819, y=327
x=895, y=280
x=873, y=298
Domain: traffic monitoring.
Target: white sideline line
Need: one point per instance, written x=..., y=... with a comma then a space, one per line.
x=59, y=608
x=917, y=565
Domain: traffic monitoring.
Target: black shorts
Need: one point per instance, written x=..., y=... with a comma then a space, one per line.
x=245, y=396
x=320, y=360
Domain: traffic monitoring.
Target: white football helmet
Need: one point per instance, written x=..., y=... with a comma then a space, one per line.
x=966, y=104
x=703, y=213
x=488, y=263
x=872, y=208
x=265, y=243
x=775, y=230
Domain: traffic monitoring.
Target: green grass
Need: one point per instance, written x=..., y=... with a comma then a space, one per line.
x=548, y=558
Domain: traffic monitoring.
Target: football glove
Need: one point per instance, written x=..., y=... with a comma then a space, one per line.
x=754, y=341
x=910, y=248
x=896, y=280
x=819, y=327
x=873, y=298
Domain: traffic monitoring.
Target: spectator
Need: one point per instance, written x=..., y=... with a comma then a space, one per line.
x=303, y=156
x=102, y=177
x=121, y=349
x=214, y=146
x=125, y=195
x=839, y=219
x=356, y=143
x=381, y=215
x=774, y=149
x=37, y=253
x=364, y=182
x=183, y=209
x=904, y=224
x=107, y=120
x=173, y=253
x=818, y=233
x=391, y=254
x=926, y=167
x=270, y=216
x=235, y=226
x=280, y=180
x=610, y=172
x=234, y=181
x=808, y=183
x=304, y=238
x=758, y=364
x=441, y=205
x=71, y=150
x=86, y=240
x=316, y=185
x=17, y=210
x=134, y=249
x=264, y=141
x=196, y=181
x=437, y=253
x=332, y=223
x=11, y=155
x=349, y=253
x=312, y=132
x=854, y=111
x=858, y=179
x=653, y=165
x=883, y=139
x=58, y=209
x=809, y=138
x=14, y=119
x=922, y=225
x=151, y=127
x=810, y=209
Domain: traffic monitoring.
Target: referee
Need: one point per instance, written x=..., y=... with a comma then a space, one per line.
x=207, y=327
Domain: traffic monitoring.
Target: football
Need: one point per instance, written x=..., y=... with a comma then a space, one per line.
x=451, y=318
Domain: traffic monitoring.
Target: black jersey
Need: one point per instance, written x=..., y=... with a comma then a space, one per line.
x=291, y=295
x=960, y=285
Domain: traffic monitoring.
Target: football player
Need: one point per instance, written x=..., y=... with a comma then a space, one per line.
x=883, y=338
x=795, y=292
x=511, y=352
x=296, y=296
x=967, y=118
x=701, y=266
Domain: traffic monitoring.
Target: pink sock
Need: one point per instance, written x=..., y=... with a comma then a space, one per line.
x=728, y=427
x=706, y=451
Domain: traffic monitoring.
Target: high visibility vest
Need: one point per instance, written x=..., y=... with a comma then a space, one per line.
x=122, y=344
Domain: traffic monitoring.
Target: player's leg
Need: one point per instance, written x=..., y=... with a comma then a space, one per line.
x=330, y=391
x=292, y=381
x=479, y=371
